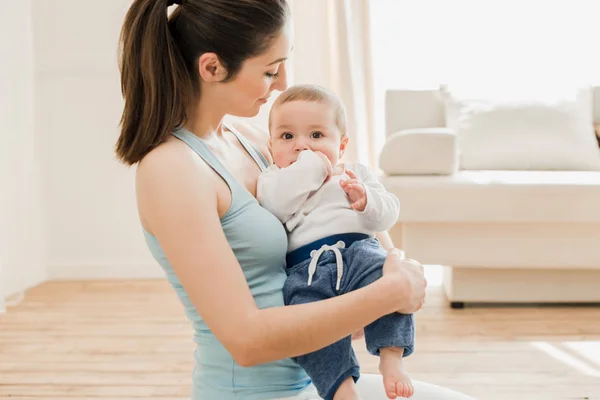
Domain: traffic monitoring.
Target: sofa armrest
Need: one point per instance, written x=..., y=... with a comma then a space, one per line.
x=423, y=151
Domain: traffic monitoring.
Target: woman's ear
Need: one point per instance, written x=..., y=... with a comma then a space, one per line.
x=211, y=69
x=343, y=145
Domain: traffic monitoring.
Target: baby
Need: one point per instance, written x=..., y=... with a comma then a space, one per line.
x=332, y=212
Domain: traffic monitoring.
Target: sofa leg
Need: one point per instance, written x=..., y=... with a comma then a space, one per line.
x=457, y=305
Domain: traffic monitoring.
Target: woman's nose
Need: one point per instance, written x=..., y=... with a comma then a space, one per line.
x=280, y=83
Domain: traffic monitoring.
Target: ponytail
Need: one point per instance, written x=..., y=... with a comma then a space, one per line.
x=155, y=83
x=159, y=59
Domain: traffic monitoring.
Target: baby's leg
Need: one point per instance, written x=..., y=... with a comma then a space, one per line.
x=335, y=368
x=392, y=338
x=347, y=391
x=396, y=381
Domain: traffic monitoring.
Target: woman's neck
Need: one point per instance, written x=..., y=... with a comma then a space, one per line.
x=205, y=122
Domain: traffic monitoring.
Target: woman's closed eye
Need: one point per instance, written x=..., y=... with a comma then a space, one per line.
x=272, y=75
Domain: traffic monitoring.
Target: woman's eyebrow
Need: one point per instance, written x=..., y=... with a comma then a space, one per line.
x=277, y=61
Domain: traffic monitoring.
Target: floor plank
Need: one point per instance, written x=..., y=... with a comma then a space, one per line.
x=96, y=340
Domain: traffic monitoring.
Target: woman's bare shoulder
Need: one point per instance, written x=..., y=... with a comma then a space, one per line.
x=168, y=156
x=171, y=168
x=259, y=137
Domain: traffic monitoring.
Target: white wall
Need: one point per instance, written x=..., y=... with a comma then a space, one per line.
x=22, y=250
x=89, y=199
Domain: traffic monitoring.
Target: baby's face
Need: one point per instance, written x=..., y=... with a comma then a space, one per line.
x=301, y=125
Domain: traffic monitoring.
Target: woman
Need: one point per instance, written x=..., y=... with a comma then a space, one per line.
x=223, y=254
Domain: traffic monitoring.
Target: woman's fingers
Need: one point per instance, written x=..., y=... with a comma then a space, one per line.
x=411, y=284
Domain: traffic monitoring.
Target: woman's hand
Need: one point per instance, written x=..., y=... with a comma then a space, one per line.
x=409, y=281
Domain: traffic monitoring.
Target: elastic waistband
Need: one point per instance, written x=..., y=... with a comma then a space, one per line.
x=302, y=253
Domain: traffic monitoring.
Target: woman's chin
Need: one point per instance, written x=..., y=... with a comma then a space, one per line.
x=249, y=113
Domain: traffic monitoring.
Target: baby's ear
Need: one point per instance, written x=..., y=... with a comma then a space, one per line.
x=343, y=144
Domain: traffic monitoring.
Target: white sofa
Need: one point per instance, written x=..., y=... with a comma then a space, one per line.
x=505, y=236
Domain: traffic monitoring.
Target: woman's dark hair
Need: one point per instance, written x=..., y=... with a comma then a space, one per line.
x=159, y=59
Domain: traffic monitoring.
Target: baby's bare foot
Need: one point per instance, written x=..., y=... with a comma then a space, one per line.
x=347, y=391
x=396, y=381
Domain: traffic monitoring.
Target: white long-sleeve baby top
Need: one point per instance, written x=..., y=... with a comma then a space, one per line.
x=312, y=209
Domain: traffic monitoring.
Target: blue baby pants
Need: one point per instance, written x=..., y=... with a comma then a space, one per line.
x=362, y=259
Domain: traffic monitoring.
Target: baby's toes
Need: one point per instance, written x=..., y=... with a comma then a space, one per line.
x=405, y=389
x=391, y=388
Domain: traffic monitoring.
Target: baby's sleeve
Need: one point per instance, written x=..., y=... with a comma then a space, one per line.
x=283, y=191
x=383, y=208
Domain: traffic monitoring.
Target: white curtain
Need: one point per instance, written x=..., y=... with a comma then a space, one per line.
x=421, y=44
x=332, y=48
x=361, y=48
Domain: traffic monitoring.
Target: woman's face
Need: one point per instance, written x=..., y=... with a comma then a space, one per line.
x=258, y=77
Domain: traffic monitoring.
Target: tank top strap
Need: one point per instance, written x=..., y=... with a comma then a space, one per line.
x=202, y=149
x=258, y=157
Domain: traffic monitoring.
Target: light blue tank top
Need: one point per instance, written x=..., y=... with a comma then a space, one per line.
x=259, y=242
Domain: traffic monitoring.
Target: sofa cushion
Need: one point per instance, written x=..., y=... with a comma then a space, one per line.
x=517, y=128
x=426, y=151
x=498, y=196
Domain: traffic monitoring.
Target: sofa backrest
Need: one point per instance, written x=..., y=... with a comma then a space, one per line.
x=410, y=109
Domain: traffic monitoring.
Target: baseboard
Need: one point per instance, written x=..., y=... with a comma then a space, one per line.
x=105, y=272
x=13, y=295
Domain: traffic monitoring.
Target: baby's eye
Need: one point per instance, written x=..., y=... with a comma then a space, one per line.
x=316, y=135
x=287, y=136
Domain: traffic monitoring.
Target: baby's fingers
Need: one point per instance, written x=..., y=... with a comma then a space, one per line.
x=349, y=182
x=356, y=186
x=351, y=174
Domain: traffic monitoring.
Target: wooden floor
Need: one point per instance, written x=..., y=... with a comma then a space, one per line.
x=130, y=340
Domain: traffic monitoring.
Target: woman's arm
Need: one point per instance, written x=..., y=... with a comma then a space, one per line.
x=177, y=198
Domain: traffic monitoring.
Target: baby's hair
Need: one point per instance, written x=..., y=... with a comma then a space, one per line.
x=316, y=94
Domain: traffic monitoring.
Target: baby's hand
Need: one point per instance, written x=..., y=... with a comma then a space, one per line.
x=327, y=164
x=355, y=190
x=339, y=169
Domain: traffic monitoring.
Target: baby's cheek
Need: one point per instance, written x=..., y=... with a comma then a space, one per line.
x=281, y=160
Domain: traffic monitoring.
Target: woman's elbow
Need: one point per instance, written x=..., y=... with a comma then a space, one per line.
x=244, y=341
x=247, y=353
x=246, y=360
